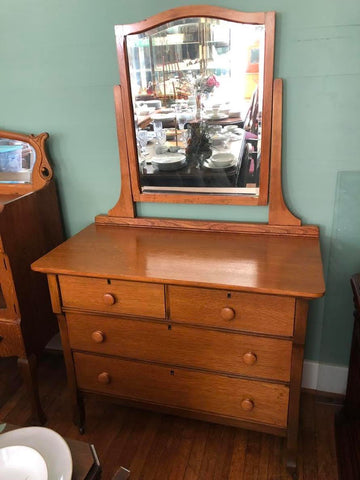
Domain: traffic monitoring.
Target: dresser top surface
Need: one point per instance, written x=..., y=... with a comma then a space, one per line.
x=260, y=263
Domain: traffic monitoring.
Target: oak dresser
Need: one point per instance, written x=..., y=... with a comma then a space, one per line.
x=209, y=325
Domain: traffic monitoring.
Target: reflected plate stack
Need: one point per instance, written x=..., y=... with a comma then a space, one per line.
x=169, y=161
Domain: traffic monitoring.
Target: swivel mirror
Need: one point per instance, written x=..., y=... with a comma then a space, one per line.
x=197, y=96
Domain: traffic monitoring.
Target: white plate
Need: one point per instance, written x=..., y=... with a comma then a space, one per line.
x=22, y=463
x=168, y=158
x=219, y=116
x=169, y=161
x=50, y=445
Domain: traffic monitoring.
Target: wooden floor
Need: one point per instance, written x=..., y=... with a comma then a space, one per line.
x=162, y=447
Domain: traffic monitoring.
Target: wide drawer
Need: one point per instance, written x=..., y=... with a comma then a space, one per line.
x=182, y=388
x=181, y=345
x=11, y=342
x=115, y=296
x=251, y=312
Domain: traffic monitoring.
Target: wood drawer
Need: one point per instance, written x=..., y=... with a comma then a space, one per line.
x=251, y=312
x=181, y=345
x=118, y=296
x=11, y=343
x=182, y=388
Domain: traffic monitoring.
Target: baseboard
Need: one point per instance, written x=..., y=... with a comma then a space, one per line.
x=324, y=377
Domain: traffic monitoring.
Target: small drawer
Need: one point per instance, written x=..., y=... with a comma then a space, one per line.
x=11, y=341
x=115, y=296
x=186, y=389
x=251, y=312
x=227, y=352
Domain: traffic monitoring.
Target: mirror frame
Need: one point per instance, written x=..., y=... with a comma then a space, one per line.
x=130, y=180
x=42, y=172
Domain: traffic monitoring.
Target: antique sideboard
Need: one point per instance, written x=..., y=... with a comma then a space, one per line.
x=30, y=225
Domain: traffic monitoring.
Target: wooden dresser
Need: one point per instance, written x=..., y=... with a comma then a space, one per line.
x=208, y=325
x=199, y=318
x=30, y=225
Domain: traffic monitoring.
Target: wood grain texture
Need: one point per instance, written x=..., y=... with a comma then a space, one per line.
x=273, y=265
x=11, y=342
x=301, y=312
x=28, y=368
x=183, y=388
x=185, y=346
x=267, y=314
x=125, y=206
x=132, y=298
x=10, y=305
x=54, y=291
x=30, y=226
x=212, y=226
x=279, y=214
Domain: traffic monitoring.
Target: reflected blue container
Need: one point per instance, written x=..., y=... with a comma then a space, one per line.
x=10, y=158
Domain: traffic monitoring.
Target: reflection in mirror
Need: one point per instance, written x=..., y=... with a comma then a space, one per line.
x=16, y=161
x=197, y=92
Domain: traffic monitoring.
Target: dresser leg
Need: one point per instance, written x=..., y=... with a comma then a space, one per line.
x=28, y=368
x=291, y=464
x=79, y=414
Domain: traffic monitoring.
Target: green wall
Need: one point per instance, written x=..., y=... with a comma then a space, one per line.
x=57, y=69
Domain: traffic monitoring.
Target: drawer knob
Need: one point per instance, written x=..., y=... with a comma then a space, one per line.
x=104, y=378
x=247, y=404
x=249, y=358
x=109, y=299
x=227, y=313
x=98, y=336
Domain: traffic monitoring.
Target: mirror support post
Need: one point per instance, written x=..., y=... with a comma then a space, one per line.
x=279, y=214
x=125, y=206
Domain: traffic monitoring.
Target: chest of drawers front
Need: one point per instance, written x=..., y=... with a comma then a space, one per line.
x=209, y=353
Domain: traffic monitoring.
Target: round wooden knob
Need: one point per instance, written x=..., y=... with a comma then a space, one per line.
x=247, y=404
x=104, y=378
x=109, y=299
x=249, y=358
x=98, y=336
x=227, y=313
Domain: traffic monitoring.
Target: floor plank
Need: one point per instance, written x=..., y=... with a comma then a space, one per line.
x=163, y=447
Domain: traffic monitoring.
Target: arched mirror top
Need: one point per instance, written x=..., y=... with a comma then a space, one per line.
x=23, y=162
x=195, y=105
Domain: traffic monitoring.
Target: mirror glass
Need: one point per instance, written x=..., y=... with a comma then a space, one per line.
x=16, y=161
x=197, y=97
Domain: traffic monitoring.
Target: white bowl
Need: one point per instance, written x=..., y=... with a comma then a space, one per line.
x=222, y=159
x=22, y=463
x=50, y=445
